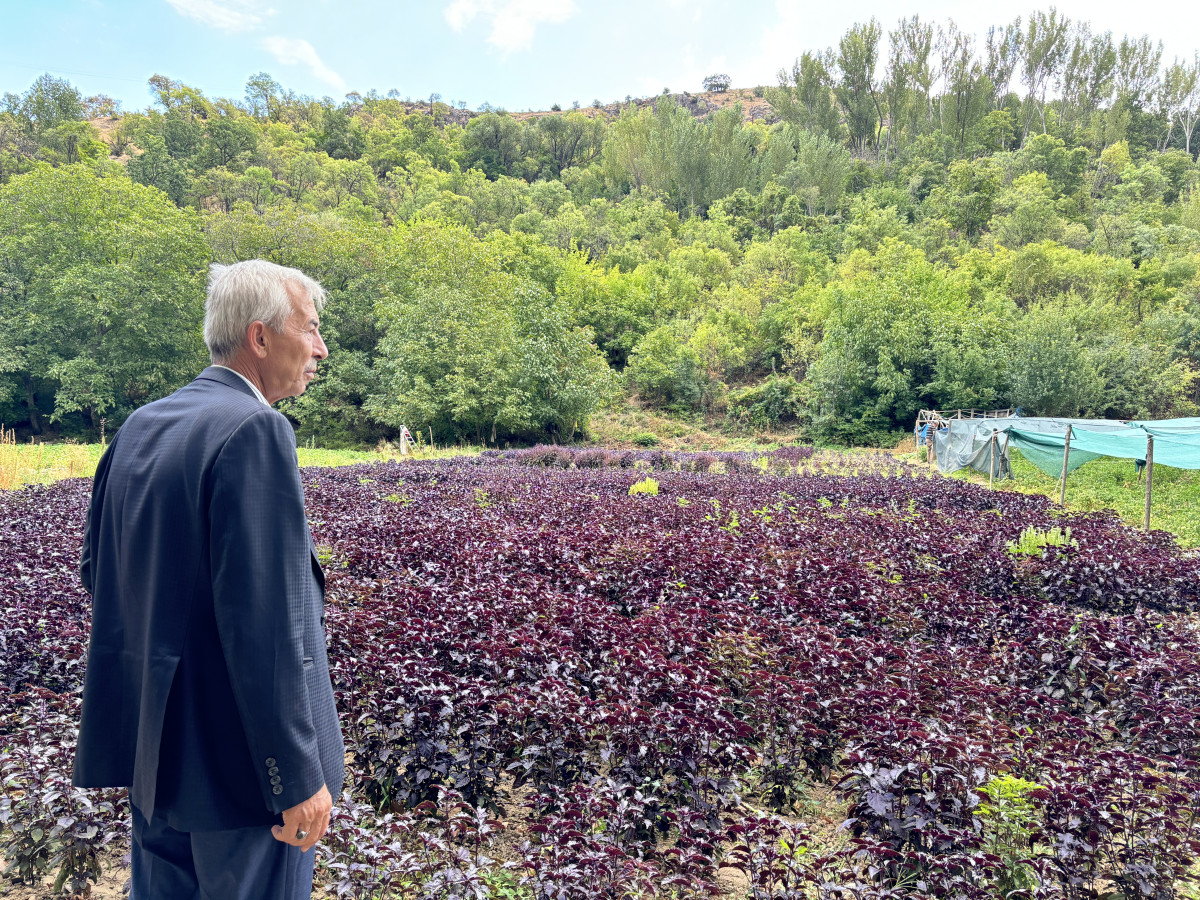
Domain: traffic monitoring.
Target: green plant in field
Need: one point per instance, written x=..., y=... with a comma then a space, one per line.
x=646, y=439
x=645, y=486
x=1190, y=890
x=482, y=499
x=1010, y=817
x=1033, y=540
x=505, y=884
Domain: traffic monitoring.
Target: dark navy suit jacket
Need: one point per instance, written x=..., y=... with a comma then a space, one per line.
x=207, y=690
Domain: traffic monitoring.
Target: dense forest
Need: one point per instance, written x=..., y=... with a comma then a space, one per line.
x=925, y=219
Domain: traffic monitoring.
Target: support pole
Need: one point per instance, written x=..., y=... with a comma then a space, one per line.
x=1149, y=477
x=1062, y=487
x=992, y=460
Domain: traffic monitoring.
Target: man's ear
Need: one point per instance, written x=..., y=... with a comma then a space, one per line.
x=256, y=335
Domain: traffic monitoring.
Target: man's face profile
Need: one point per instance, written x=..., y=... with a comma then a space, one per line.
x=290, y=357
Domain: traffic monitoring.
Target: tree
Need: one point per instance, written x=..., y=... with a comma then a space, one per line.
x=1137, y=73
x=493, y=143
x=878, y=331
x=571, y=140
x=908, y=82
x=472, y=351
x=818, y=176
x=629, y=154
x=804, y=97
x=48, y=103
x=262, y=96
x=1049, y=367
x=857, y=90
x=103, y=298
x=1002, y=52
x=155, y=167
x=1045, y=53
x=1088, y=77
x=967, y=198
x=967, y=89
x=718, y=84
x=230, y=137
x=1180, y=100
x=664, y=369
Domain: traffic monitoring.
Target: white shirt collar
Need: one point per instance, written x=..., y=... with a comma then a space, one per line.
x=257, y=392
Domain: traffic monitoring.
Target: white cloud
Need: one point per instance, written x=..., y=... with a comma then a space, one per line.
x=513, y=21
x=782, y=39
x=236, y=15
x=297, y=51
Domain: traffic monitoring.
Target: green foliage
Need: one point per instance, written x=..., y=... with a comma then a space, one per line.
x=894, y=241
x=1011, y=818
x=98, y=316
x=776, y=401
x=881, y=329
x=1034, y=540
x=664, y=369
x=471, y=350
x=647, y=486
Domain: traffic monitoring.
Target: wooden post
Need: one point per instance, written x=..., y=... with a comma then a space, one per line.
x=1149, y=477
x=1062, y=488
x=992, y=460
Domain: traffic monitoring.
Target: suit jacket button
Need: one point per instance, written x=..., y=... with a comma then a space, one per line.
x=277, y=790
x=275, y=779
x=274, y=770
x=270, y=761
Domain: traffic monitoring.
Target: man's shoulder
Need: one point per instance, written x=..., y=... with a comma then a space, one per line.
x=215, y=399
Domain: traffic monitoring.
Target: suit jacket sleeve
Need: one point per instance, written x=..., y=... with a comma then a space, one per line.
x=263, y=598
x=91, y=526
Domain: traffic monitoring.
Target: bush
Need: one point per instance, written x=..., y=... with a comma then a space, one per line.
x=768, y=404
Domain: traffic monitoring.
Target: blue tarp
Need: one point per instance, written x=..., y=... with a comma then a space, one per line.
x=1042, y=439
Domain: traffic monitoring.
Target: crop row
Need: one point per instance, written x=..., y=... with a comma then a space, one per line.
x=651, y=687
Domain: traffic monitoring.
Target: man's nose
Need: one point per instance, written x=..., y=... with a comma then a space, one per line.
x=320, y=351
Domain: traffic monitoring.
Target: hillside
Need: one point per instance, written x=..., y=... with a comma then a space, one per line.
x=887, y=245
x=700, y=105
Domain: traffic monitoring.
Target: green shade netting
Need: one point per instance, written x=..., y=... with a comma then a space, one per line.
x=1179, y=449
x=1046, y=451
x=1171, y=427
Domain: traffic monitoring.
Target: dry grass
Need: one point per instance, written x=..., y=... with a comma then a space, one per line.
x=631, y=425
x=34, y=463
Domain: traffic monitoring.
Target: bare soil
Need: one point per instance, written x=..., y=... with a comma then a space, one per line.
x=700, y=104
x=111, y=885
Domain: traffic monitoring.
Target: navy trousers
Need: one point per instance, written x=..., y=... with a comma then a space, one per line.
x=240, y=864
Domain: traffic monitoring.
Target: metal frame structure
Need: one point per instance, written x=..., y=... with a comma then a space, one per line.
x=939, y=418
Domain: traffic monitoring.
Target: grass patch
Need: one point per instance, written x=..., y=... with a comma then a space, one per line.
x=33, y=463
x=1108, y=483
x=629, y=426
x=25, y=464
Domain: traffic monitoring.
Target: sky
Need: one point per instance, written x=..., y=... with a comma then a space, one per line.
x=512, y=54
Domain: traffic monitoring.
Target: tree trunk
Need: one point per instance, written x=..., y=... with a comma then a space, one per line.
x=35, y=418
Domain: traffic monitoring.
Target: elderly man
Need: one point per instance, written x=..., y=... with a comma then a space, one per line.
x=207, y=689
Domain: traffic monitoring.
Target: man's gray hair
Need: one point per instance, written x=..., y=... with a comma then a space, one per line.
x=247, y=292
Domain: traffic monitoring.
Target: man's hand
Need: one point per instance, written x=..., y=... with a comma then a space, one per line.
x=310, y=818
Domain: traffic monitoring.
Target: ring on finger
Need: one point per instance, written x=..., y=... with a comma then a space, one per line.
x=301, y=835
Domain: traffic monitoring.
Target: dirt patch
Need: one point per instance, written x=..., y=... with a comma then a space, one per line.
x=700, y=104
x=111, y=886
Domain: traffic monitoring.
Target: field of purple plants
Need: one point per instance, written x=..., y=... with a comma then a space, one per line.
x=554, y=688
